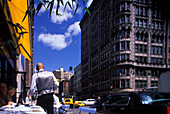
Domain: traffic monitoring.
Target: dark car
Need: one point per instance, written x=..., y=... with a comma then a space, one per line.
x=135, y=103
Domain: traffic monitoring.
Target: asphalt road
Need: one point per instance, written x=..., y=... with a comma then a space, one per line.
x=75, y=111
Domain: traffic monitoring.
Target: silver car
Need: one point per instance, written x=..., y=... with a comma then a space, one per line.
x=89, y=101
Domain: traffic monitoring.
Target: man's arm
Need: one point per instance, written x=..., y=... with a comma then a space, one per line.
x=56, y=83
x=33, y=84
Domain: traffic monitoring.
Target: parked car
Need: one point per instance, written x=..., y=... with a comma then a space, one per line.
x=135, y=103
x=89, y=101
x=79, y=103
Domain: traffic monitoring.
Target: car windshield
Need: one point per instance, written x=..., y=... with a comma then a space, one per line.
x=148, y=98
x=116, y=100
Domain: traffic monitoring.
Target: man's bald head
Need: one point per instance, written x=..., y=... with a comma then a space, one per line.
x=39, y=66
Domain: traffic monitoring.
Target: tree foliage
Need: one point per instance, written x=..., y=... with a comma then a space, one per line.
x=49, y=5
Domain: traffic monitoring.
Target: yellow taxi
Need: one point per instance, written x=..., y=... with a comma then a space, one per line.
x=68, y=101
x=79, y=103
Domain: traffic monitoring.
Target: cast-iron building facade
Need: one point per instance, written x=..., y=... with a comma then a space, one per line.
x=124, y=46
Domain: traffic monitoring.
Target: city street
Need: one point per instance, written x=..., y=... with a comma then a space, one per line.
x=75, y=111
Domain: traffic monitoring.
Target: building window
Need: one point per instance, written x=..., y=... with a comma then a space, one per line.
x=160, y=26
x=140, y=84
x=140, y=48
x=137, y=22
x=144, y=12
x=122, y=19
x=156, y=25
x=128, y=6
x=118, y=35
x=137, y=11
x=153, y=25
x=122, y=71
x=127, y=72
x=122, y=83
x=154, y=83
x=145, y=24
x=123, y=7
x=136, y=48
x=128, y=45
x=152, y=49
x=122, y=33
x=127, y=56
x=156, y=60
x=145, y=49
x=117, y=58
x=127, y=83
x=160, y=50
x=127, y=19
x=117, y=46
x=141, y=23
x=123, y=57
x=117, y=72
x=141, y=11
x=117, y=84
x=114, y=59
x=122, y=45
x=156, y=50
x=117, y=9
x=128, y=34
x=114, y=47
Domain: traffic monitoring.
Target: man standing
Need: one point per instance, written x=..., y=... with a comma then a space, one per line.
x=46, y=83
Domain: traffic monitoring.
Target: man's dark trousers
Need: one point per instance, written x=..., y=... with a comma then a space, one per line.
x=46, y=102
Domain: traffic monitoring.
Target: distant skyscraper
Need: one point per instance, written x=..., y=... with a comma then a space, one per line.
x=125, y=45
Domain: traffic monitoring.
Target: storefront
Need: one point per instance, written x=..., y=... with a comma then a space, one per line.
x=13, y=45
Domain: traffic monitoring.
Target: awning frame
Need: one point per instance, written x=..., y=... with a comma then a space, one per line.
x=24, y=50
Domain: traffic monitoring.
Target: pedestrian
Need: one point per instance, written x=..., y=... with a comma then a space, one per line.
x=98, y=100
x=10, y=93
x=63, y=100
x=57, y=104
x=46, y=83
x=3, y=91
x=28, y=99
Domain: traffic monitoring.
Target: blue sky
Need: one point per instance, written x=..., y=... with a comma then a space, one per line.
x=57, y=40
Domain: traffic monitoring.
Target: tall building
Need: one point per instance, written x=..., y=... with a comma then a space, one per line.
x=77, y=81
x=125, y=45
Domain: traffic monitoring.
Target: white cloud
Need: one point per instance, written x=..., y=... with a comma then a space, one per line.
x=89, y=3
x=59, y=19
x=55, y=41
x=60, y=41
x=73, y=30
